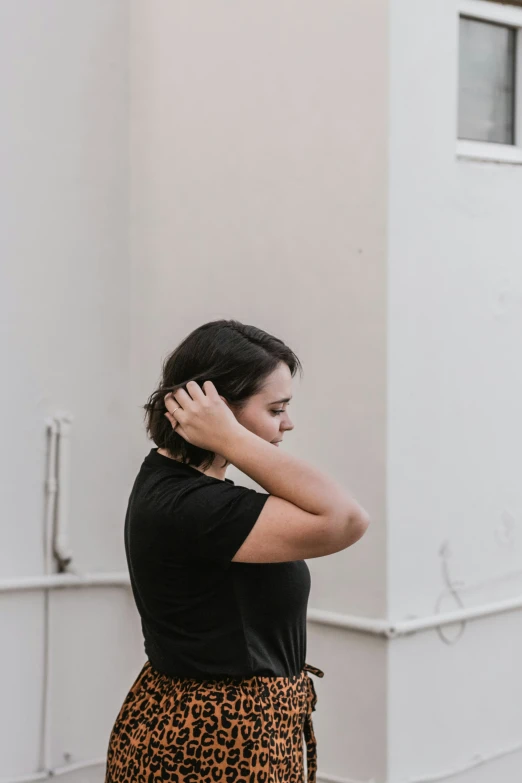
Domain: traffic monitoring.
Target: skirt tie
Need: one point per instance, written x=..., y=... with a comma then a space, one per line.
x=309, y=734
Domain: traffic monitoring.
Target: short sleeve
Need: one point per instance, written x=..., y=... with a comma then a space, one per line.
x=217, y=516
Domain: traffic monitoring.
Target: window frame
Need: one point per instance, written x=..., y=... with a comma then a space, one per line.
x=511, y=16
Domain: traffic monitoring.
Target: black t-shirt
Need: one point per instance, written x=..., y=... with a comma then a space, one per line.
x=202, y=615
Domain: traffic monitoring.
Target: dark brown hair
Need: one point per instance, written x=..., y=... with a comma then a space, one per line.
x=236, y=357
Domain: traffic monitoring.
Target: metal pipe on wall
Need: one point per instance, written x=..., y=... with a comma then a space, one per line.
x=62, y=550
x=367, y=625
x=56, y=552
x=51, y=487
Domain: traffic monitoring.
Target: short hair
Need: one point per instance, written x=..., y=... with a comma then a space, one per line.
x=236, y=357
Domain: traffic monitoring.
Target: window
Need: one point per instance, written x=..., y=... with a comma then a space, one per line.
x=490, y=81
x=486, y=81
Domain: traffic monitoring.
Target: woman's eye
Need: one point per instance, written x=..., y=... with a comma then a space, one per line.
x=280, y=411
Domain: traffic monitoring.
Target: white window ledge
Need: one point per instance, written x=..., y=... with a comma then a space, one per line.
x=488, y=151
x=492, y=12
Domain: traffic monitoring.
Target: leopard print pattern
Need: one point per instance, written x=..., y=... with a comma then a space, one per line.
x=230, y=730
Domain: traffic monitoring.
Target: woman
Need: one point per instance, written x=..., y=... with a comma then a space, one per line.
x=218, y=570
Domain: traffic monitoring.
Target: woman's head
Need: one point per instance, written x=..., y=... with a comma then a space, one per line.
x=250, y=368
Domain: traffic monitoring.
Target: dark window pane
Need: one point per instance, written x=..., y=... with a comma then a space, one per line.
x=486, y=81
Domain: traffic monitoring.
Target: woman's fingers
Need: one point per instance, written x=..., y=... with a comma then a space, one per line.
x=209, y=390
x=180, y=402
x=177, y=399
x=182, y=398
x=193, y=393
x=170, y=403
x=196, y=392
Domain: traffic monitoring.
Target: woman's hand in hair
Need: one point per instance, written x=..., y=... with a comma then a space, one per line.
x=201, y=416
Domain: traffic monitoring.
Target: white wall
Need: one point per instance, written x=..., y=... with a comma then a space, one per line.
x=259, y=143
x=258, y=192
x=65, y=347
x=454, y=326
x=261, y=136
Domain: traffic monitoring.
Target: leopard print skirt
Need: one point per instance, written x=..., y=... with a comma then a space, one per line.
x=215, y=731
